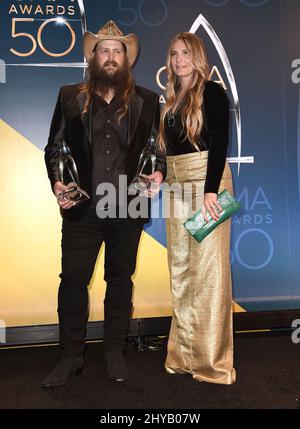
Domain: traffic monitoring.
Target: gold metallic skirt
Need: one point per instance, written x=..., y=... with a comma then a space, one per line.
x=201, y=337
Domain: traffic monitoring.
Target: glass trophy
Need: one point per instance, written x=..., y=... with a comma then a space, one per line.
x=141, y=183
x=67, y=164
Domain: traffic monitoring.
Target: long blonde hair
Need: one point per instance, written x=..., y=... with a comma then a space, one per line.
x=191, y=112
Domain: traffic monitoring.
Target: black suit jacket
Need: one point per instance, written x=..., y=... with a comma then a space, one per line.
x=69, y=124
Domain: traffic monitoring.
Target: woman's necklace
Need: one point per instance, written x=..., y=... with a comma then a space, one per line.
x=171, y=116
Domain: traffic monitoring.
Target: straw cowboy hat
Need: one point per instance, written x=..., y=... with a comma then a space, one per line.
x=110, y=31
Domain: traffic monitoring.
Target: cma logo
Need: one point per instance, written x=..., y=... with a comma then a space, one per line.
x=253, y=231
x=250, y=208
x=296, y=73
x=296, y=332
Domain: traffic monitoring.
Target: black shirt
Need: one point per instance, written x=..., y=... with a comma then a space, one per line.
x=213, y=137
x=109, y=144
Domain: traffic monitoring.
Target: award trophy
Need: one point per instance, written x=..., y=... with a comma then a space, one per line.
x=141, y=182
x=66, y=162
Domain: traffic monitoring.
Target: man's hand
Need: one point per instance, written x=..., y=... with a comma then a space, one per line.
x=58, y=188
x=156, y=180
x=211, y=205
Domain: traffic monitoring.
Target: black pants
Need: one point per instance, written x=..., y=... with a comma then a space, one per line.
x=81, y=242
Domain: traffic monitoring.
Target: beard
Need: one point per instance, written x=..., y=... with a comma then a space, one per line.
x=115, y=77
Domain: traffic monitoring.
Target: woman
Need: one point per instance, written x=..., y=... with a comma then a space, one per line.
x=194, y=133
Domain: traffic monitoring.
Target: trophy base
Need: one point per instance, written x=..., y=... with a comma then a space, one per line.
x=73, y=193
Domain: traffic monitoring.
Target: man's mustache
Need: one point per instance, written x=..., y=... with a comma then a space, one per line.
x=110, y=63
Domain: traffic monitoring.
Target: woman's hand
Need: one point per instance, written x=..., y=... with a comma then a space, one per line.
x=156, y=180
x=211, y=205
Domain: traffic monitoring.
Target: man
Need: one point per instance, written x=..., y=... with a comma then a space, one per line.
x=106, y=123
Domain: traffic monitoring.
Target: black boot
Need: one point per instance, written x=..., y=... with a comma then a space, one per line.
x=116, y=366
x=62, y=373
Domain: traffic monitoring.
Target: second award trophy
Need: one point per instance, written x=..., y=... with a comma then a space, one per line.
x=141, y=183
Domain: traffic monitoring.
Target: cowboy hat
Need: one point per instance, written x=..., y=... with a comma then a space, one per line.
x=110, y=31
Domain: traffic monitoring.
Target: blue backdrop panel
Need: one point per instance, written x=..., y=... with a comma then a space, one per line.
x=260, y=39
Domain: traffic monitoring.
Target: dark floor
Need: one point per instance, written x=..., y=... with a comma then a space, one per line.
x=268, y=376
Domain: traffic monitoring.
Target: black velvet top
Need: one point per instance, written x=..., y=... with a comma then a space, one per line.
x=214, y=134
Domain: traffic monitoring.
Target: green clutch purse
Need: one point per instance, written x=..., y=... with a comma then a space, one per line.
x=197, y=225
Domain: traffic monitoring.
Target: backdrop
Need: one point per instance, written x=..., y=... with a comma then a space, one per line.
x=253, y=51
